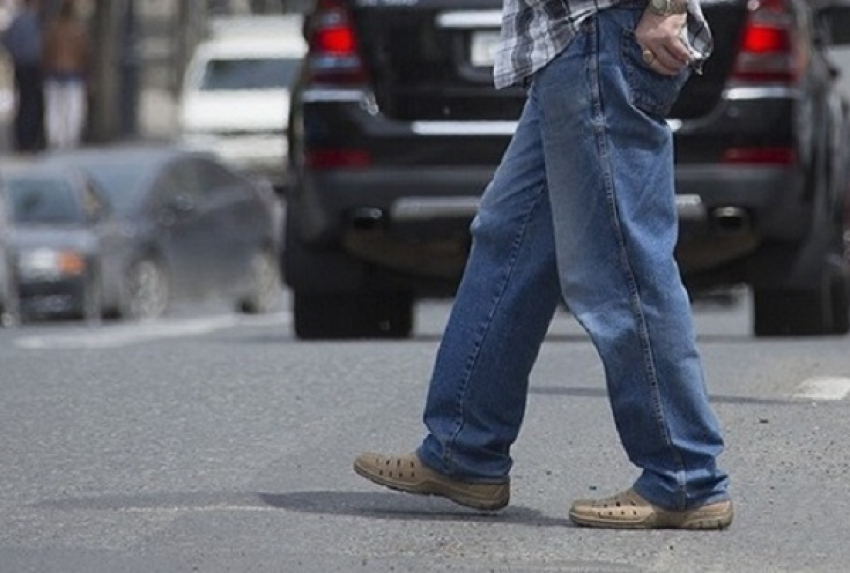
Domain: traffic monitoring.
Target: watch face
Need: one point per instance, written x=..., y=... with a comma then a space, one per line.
x=659, y=5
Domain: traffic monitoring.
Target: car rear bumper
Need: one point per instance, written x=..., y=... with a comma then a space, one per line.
x=740, y=209
x=404, y=218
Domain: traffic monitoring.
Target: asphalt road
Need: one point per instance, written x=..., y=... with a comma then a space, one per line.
x=220, y=443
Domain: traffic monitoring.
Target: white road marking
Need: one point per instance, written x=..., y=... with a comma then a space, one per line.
x=824, y=388
x=199, y=508
x=128, y=334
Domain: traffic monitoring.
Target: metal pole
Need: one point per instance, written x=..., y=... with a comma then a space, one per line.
x=129, y=61
x=104, y=116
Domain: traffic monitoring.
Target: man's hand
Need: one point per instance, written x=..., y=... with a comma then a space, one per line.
x=660, y=37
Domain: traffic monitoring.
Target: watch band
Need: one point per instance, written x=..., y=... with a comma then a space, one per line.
x=667, y=7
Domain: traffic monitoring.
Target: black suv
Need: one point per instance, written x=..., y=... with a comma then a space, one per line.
x=396, y=130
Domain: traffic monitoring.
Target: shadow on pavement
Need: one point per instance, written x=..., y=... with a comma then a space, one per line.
x=376, y=505
x=388, y=505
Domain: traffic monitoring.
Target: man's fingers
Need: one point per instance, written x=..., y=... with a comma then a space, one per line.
x=678, y=51
x=662, y=36
x=668, y=62
x=659, y=67
x=661, y=61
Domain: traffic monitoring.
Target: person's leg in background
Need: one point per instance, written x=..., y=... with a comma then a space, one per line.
x=53, y=112
x=76, y=111
x=29, y=115
x=65, y=108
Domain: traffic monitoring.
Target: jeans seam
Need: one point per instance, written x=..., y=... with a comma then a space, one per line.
x=635, y=301
x=472, y=359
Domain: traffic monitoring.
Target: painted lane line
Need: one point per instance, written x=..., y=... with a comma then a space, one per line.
x=200, y=508
x=824, y=388
x=125, y=335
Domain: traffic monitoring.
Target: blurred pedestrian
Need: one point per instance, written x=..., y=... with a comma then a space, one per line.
x=582, y=209
x=23, y=42
x=66, y=63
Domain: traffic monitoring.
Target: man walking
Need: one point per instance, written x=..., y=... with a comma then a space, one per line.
x=23, y=42
x=581, y=208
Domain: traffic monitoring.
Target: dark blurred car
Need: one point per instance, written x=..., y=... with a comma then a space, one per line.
x=188, y=228
x=396, y=128
x=58, y=225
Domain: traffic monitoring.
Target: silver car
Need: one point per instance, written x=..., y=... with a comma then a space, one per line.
x=183, y=226
x=57, y=224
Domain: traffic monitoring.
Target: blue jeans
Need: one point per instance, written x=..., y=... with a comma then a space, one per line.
x=582, y=207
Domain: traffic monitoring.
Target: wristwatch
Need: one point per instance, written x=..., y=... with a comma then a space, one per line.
x=668, y=7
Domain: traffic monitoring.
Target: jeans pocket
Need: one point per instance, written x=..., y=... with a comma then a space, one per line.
x=650, y=91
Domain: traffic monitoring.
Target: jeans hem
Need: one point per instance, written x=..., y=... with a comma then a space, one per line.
x=681, y=504
x=427, y=460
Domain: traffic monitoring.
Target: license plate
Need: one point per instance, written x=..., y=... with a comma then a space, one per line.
x=482, y=51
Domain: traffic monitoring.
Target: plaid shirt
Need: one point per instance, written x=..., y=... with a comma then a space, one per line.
x=535, y=31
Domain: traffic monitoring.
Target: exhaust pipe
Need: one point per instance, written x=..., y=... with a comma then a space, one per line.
x=367, y=219
x=731, y=219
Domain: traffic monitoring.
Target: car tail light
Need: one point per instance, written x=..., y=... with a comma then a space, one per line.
x=333, y=47
x=760, y=156
x=767, y=51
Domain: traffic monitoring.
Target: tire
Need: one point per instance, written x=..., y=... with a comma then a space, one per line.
x=350, y=315
x=811, y=312
x=266, y=286
x=146, y=290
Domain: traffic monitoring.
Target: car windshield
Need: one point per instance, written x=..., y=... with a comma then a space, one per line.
x=248, y=73
x=120, y=181
x=43, y=201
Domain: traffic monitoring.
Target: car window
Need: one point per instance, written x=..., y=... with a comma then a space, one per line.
x=47, y=201
x=120, y=181
x=179, y=180
x=248, y=73
x=213, y=177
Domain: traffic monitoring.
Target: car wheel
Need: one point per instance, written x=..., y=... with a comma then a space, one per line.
x=817, y=311
x=345, y=315
x=266, y=285
x=146, y=290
